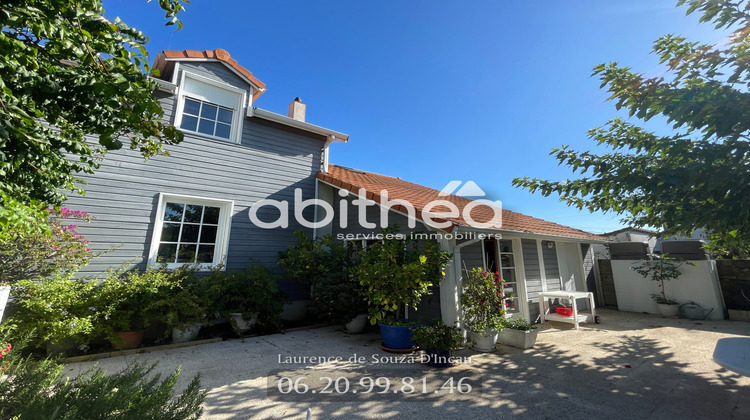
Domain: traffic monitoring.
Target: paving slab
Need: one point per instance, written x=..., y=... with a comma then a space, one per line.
x=629, y=366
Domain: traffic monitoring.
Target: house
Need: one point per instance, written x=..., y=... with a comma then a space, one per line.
x=223, y=197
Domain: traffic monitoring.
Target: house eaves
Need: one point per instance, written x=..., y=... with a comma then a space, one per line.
x=291, y=122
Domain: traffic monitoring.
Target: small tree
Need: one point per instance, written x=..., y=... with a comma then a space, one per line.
x=660, y=269
x=696, y=177
x=483, y=301
x=397, y=272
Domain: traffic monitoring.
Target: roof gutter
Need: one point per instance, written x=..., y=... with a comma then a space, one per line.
x=290, y=122
x=533, y=235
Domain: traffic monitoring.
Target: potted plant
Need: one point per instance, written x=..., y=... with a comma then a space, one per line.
x=124, y=300
x=437, y=340
x=397, y=272
x=517, y=332
x=325, y=265
x=179, y=305
x=249, y=297
x=661, y=269
x=482, y=301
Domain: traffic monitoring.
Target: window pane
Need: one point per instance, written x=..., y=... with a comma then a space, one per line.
x=209, y=111
x=189, y=233
x=506, y=246
x=186, y=254
x=173, y=212
x=222, y=130
x=208, y=234
x=506, y=260
x=211, y=215
x=225, y=115
x=166, y=253
x=191, y=107
x=170, y=232
x=508, y=276
x=205, y=254
x=206, y=127
x=189, y=123
x=193, y=213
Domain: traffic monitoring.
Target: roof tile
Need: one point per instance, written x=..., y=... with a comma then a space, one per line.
x=419, y=196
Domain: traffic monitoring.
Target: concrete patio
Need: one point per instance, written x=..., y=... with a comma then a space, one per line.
x=629, y=366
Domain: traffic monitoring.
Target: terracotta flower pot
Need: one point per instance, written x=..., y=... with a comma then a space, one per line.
x=128, y=340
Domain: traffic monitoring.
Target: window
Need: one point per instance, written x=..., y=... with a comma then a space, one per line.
x=207, y=118
x=210, y=108
x=190, y=230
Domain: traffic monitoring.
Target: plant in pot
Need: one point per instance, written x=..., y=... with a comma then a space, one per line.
x=397, y=272
x=325, y=265
x=482, y=301
x=124, y=301
x=517, y=332
x=661, y=269
x=437, y=340
x=249, y=297
x=180, y=306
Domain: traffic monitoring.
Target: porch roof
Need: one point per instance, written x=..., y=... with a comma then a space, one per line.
x=419, y=196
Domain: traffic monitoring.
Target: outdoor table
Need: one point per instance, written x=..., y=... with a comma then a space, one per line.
x=571, y=295
x=733, y=353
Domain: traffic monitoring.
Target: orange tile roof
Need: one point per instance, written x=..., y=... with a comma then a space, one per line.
x=218, y=55
x=418, y=195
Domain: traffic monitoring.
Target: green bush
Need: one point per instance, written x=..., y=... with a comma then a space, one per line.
x=50, y=247
x=325, y=264
x=37, y=390
x=436, y=335
x=517, y=323
x=181, y=301
x=56, y=310
x=251, y=292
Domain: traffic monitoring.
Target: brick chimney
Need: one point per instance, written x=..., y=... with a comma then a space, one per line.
x=297, y=109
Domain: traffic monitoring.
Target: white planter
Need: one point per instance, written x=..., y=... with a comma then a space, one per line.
x=483, y=342
x=518, y=338
x=356, y=325
x=187, y=333
x=4, y=293
x=240, y=323
x=668, y=310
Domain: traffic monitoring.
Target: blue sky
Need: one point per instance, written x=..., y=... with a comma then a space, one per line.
x=434, y=91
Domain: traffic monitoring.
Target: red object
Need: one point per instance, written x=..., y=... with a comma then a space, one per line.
x=564, y=311
x=627, y=366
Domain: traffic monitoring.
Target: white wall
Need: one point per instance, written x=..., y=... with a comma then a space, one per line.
x=699, y=283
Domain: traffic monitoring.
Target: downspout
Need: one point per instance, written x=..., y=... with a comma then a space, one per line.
x=330, y=140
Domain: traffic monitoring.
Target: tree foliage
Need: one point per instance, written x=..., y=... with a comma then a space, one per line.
x=72, y=85
x=698, y=177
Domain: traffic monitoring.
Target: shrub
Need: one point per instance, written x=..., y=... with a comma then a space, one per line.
x=251, y=292
x=482, y=301
x=56, y=310
x=53, y=248
x=37, y=390
x=436, y=335
x=517, y=323
x=325, y=264
x=181, y=300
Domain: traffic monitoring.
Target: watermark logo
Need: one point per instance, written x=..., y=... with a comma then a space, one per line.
x=435, y=213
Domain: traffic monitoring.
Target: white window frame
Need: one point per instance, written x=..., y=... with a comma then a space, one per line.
x=222, y=233
x=204, y=93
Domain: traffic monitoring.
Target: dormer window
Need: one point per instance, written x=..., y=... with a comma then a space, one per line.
x=207, y=118
x=210, y=108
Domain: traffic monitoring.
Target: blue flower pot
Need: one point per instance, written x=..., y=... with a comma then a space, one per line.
x=397, y=337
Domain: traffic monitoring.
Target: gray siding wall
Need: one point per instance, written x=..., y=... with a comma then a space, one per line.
x=533, y=276
x=471, y=257
x=551, y=268
x=271, y=162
